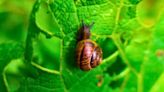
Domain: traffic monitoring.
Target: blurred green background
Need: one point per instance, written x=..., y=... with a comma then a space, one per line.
x=38, y=42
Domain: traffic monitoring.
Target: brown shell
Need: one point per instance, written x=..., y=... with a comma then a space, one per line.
x=88, y=54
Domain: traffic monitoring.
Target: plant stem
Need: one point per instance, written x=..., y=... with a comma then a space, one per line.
x=45, y=69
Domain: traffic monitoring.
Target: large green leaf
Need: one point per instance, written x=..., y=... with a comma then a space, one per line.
x=130, y=33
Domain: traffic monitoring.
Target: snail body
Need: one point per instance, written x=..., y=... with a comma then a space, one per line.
x=88, y=53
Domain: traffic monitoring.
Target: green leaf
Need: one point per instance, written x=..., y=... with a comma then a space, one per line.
x=130, y=33
x=158, y=87
x=47, y=21
x=8, y=51
x=42, y=83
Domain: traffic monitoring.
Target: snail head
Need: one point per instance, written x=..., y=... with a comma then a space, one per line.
x=84, y=31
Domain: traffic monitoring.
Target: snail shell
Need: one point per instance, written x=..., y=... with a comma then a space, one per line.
x=88, y=53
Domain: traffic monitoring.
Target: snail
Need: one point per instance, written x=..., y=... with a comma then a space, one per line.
x=88, y=53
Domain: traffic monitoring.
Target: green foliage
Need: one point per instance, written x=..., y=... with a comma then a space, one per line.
x=38, y=42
